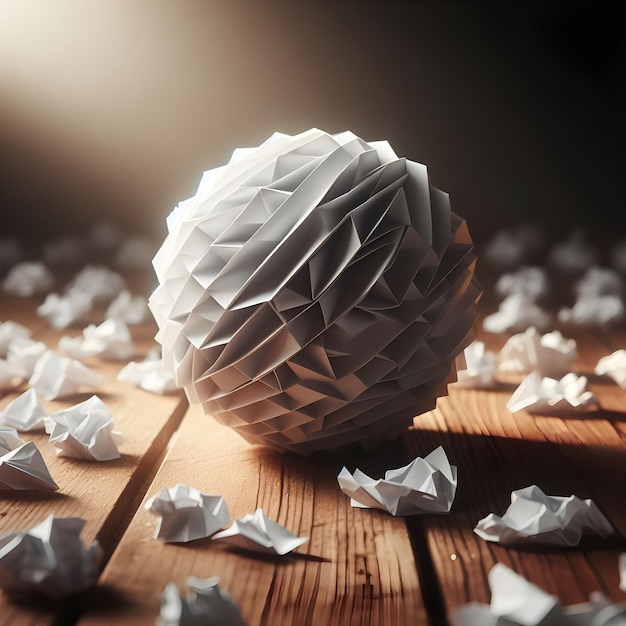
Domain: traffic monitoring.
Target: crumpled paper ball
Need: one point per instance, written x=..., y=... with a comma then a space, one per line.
x=315, y=292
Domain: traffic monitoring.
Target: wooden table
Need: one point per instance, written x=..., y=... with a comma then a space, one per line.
x=360, y=567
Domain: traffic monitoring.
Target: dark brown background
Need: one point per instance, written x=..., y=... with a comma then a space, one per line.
x=115, y=107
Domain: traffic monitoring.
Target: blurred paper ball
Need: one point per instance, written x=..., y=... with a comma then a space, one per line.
x=315, y=292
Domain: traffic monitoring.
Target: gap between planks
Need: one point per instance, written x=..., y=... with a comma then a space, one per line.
x=497, y=452
x=357, y=569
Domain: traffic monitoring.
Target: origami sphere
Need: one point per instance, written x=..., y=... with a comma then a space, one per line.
x=315, y=292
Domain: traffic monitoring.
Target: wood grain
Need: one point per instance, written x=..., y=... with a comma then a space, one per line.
x=356, y=569
x=105, y=494
x=497, y=452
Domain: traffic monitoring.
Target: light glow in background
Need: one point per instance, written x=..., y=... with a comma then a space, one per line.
x=115, y=107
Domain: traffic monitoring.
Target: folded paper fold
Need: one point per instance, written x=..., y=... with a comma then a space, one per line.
x=49, y=559
x=259, y=533
x=84, y=431
x=205, y=603
x=426, y=485
x=315, y=292
x=536, y=518
x=187, y=514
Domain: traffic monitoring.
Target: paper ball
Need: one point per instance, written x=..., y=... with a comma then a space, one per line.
x=315, y=292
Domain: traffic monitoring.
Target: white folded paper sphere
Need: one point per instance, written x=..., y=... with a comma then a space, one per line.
x=315, y=292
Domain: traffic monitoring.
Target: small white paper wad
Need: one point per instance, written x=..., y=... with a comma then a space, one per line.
x=426, y=485
x=511, y=248
x=149, y=375
x=49, y=559
x=531, y=282
x=315, y=292
x=64, y=310
x=130, y=309
x=552, y=397
x=84, y=431
x=65, y=251
x=23, y=468
x=599, y=281
x=606, y=310
x=517, y=602
x=187, y=514
x=479, y=369
x=550, y=355
x=9, y=439
x=56, y=377
x=573, y=255
x=110, y=340
x=9, y=331
x=536, y=518
x=135, y=254
x=27, y=279
x=11, y=375
x=516, y=313
x=98, y=282
x=514, y=601
x=613, y=365
x=259, y=533
x=24, y=413
x=25, y=352
x=206, y=604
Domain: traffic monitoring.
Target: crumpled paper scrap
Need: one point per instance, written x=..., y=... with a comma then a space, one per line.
x=536, y=518
x=259, y=533
x=315, y=292
x=27, y=279
x=104, y=236
x=511, y=248
x=599, y=281
x=25, y=353
x=425, y=485
x=573, y=255
x=84, y=431
x=135, y=254
x=149, y=375
x=187, y=514
x=595, y=311
x=49, y=559
x=55, y=376
x=130, y=309
x=9, y=439
x=110, y=340
x=64, y=251
x=516, y=313
x=23, y=467
x=613, y=365
x=11, y=375
x=10, y=331
x=530, y=281
x=24, y=413
x=98, y=282
x=479, y=369
x=65, y=310
x=550, y=396
x=550, y=354
x=206, y=604
x=517, y=602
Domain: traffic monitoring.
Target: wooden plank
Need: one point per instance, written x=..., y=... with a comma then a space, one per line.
x=497, y=452
x=357, y=568
x=105, y=494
